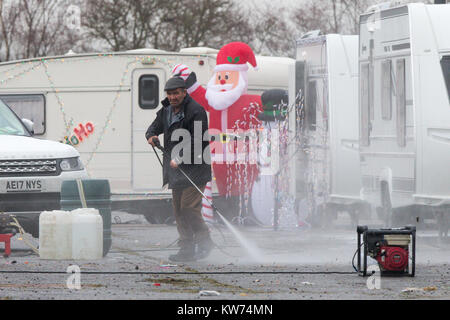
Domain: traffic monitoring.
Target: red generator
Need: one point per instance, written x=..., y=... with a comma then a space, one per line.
x=394, y=249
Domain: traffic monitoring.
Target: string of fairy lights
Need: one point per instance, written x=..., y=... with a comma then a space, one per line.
x=26, y=67
x=313, y=177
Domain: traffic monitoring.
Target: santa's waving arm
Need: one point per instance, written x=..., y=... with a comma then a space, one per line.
x=195, y=90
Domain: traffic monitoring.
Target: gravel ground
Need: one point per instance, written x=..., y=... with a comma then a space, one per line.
x=292, y=263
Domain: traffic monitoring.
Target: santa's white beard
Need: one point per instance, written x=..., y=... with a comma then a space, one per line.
x=221, y=100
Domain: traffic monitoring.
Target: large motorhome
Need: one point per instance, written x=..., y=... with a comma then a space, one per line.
x=404, y=63
x=328, y=175
x=103, y=104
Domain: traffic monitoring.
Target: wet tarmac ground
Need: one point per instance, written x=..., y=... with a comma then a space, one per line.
x=295, y=263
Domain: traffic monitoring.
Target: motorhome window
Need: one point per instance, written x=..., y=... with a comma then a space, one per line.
x=386, y=87
x=28, y=106
x=364, y=105
x=445, y=63
x=311, y=102
x=148, y=92
x=400, y=86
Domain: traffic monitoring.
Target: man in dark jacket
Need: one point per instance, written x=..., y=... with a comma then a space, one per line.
x=182, y=117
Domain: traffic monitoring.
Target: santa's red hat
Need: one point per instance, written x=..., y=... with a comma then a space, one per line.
x=234, y=57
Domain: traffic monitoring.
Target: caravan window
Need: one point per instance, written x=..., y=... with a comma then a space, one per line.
x=29, y=106
x=400, y=86
x=311, y=103
x=364, y=105
x=148, y=91
x=386, y=90
x=445, y=63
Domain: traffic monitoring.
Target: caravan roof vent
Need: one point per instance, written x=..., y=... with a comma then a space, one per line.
x=199, y=50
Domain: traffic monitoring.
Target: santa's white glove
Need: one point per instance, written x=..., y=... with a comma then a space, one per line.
x=189, y=77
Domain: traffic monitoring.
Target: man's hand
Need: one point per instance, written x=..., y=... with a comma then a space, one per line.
x=152, y=140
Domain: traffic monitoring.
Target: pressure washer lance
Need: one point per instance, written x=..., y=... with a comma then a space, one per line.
x=160, y=147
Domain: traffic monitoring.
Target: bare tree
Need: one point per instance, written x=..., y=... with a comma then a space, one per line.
x=32, y=28
x=203, y=23
x=270, y=33
x=168, y=25
x=123, y=24
x=311, y=16
x=40, y=28
x=8, y=25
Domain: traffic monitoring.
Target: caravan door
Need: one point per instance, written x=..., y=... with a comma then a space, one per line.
x=147, y=93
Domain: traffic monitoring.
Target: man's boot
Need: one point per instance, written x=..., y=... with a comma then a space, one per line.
x=204, y=248
x=185, y=254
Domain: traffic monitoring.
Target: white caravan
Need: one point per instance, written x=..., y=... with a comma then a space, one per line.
x=405, y=111
x=327, y=172
x=103, y=104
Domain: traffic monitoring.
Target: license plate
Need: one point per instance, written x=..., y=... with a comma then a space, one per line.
x=23, y=186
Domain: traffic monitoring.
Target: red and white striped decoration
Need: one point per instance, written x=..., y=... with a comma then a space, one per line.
x=207, y=210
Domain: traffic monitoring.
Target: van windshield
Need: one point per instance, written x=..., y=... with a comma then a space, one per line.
x=9, y=123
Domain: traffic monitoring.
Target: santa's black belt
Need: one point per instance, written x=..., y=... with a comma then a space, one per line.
x=225, y=138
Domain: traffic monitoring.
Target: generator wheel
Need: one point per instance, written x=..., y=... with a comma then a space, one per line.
x=386, y=204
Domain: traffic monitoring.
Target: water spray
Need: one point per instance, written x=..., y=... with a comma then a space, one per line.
x=253, y=251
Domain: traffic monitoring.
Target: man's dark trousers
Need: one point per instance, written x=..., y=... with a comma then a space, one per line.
x=187, y=205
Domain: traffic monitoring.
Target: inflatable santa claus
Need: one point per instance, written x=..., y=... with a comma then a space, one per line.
x=233, y=118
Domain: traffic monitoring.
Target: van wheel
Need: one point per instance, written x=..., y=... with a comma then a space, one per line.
x=386, y=204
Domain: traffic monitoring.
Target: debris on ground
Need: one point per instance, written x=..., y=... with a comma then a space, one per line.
x=411, y=289
x=430, y=288
x=208, y=293
x=168, y=265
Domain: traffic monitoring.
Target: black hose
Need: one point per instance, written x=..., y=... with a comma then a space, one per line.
x=353, y=259
x=175, y=272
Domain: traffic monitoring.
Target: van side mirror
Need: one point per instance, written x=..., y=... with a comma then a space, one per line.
x=29, y=125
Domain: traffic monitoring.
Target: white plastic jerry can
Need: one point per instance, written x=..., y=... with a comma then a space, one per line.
x=55, y=235
x=87, y=234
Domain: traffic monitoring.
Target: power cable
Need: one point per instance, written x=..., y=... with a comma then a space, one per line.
x=179, y=272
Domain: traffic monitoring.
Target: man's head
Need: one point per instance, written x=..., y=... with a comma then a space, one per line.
x=176, y=91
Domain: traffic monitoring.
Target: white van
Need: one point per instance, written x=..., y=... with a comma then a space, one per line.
x=32, y=170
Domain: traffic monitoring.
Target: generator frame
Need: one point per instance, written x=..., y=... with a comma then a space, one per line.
x=364, y=233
